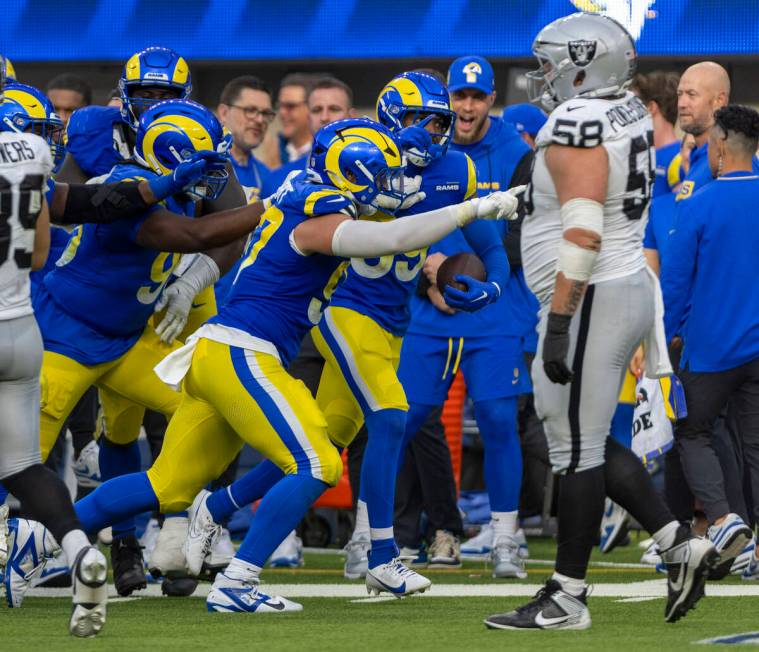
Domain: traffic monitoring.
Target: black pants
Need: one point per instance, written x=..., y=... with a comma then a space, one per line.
x=708, y=395
x=426, y=483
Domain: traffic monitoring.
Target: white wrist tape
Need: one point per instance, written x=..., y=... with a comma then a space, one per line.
x=364, y=239
x=203, y=273
x=576, y=262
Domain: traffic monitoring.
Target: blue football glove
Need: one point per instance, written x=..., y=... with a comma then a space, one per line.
x=416, y=143
x=187, y=174
x=478, y=295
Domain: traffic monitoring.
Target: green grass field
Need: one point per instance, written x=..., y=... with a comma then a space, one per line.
x=629, y=619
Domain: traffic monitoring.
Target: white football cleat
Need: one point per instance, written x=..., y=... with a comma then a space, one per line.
x=167, y=559
x=149, y=538
x=506, y=559
x=289, y=553
x=357, y=558
x=3, y=535
x=89, y=574
x=729, y=538
x=743, y=560
x=55, y=572
x=222, y=552
x=396, y=579
x=481, y=544
x=30, y=545
x=232, y=595
x=652, y=555
x=202, y=534
x=87, y=466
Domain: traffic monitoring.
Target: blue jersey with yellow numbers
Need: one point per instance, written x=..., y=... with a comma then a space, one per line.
x=94, y=139
x=279, y=293
x=106, y=282
x=380, y=288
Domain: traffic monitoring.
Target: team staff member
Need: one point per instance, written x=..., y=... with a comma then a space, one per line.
x=710, y=268
x=245, y=109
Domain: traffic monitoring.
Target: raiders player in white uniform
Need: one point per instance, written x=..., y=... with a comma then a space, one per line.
x=587, y=207
x=25, y=163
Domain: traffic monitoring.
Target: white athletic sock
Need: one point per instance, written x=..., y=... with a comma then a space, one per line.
x=362, y=521
x=504, y=524
x=570, y=584
x=72, y=544
x=242, y=570
x=665, y=537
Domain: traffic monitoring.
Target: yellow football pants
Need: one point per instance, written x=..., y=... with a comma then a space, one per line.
x=64, y=380
x=360, y=371
x=232, y=396
x=121, y=419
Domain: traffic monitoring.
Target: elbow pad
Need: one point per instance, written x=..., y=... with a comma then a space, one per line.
x=576, y=262
x=102, y=204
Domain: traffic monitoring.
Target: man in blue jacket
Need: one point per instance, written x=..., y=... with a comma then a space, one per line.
x=710, y=270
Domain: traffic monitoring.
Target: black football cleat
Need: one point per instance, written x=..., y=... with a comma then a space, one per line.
x=551, y=608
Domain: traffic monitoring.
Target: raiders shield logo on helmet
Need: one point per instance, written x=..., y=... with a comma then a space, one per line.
x=582, y=52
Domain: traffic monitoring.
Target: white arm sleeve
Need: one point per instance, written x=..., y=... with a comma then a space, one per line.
x=576, y=262
x=362, y=239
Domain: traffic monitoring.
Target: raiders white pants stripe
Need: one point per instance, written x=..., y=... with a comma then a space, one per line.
x=611, y=322
x=20, y=364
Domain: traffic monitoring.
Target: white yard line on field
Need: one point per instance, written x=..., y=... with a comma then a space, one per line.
x=647, y=589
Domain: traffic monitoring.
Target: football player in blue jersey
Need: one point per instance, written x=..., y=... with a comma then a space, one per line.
x=360, y=335
x=487, y=345
x=97, y=139
x=93, y=307
x=234, y=385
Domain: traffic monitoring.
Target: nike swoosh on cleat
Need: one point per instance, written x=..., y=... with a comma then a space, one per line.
x=279, y=606
x=547, y=622
x=400, y=589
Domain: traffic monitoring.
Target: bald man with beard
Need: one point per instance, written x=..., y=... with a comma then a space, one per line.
x=703, y=89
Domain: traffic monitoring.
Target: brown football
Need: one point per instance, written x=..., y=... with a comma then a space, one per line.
x=463, y=263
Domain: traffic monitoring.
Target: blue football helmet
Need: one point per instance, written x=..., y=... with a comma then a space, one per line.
x=425, y=99
x=172, y=131
x=359, y=157
x=26, y=109
x=152, y=67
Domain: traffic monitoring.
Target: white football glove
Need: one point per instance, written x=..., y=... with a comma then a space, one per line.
x=500, y=205
x=177, y=299
x=411, y=186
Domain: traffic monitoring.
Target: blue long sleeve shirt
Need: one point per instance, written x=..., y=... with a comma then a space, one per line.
x=710, y=268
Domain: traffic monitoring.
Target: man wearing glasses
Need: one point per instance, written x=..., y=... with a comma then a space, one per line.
x=245, y=109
